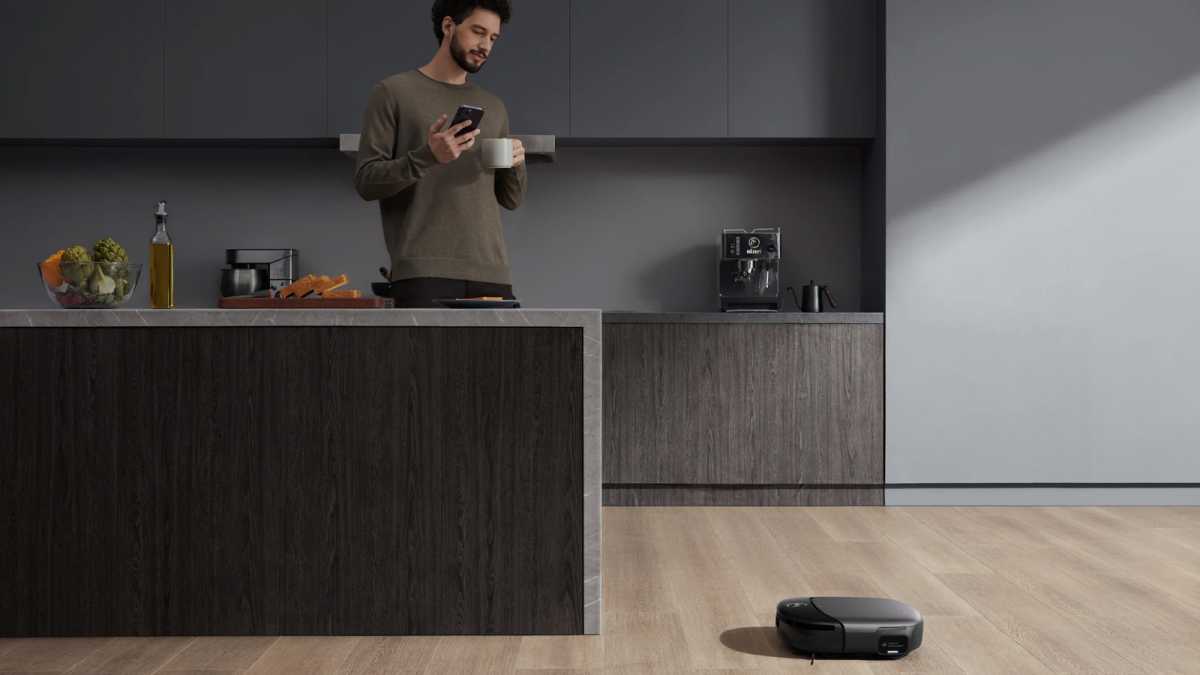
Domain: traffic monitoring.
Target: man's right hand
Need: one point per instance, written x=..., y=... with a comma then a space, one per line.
x=446, y=144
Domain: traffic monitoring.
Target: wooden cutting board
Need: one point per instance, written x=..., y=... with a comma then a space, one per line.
x=304, y=303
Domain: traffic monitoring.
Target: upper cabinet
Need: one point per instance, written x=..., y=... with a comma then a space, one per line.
x=280, y=69
x=803, y=68
x=649, y=69
x=237, y=69
x=368, y=41
x=81, y=69
x=529, y=68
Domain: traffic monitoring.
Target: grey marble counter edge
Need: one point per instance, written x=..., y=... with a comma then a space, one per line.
x=587, y=319
x=744, y=317
x=100, y=318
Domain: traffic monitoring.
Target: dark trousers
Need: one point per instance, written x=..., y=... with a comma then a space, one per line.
x=422, y=291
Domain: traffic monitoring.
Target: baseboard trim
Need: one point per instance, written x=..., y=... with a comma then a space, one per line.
x=903, y=494
x=894, y=486
x=1071, y=494
x=738, y=495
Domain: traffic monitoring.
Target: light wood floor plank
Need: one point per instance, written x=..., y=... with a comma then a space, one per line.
x=705, y=593
x=1143, y=517
x=132, y=656
x=927, y=546
x=765, y=571
x=561, y=652
x=457, y=654
x=901, y=577
x=1153, y=630
x=1054, y=638
x=389, y=655
x=979, y=647
x=634, y=577
x=1124, y=554
x=316, y=655
x=47, y=654
x=219, y=654
x=850, y=523
x=634, y=640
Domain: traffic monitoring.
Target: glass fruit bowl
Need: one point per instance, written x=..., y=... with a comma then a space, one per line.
x=89, y=285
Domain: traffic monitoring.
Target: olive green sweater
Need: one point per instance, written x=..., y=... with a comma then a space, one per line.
x=439, y=220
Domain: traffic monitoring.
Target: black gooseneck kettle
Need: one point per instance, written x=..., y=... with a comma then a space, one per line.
x=810, y=298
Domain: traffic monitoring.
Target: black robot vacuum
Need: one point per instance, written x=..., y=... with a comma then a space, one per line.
x=849, y=627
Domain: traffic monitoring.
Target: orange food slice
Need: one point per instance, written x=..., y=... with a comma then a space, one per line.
x=51, y=272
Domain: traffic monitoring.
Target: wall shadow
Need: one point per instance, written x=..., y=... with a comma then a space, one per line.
x=971, y=89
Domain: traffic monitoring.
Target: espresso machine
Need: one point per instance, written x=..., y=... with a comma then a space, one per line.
x=749, y=269
x=258, y=271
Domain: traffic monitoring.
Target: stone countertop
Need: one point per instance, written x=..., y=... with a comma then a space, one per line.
x=588, y=319
x=743, y=317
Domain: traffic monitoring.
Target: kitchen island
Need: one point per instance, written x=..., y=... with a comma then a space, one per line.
x=323, y=472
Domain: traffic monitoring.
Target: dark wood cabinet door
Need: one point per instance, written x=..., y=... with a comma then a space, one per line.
x=649, y=69
x=81, y=69
x=239, y=69
x=530, y=68
x=368, y=41
x=803, y=68
x=743, y=404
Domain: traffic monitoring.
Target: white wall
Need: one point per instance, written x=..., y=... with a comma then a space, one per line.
x=1043, y=246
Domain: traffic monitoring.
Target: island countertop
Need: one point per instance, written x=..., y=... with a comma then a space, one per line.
x=588, y=319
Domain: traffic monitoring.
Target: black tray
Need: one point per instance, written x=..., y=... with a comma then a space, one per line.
x=474, y=303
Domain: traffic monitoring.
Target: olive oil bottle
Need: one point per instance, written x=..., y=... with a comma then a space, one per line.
x=162, y=262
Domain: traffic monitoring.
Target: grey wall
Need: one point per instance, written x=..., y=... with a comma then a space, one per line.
x=1042, y=169
x=614, y=228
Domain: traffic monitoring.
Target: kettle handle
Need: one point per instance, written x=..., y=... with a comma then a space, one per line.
x=829, y=297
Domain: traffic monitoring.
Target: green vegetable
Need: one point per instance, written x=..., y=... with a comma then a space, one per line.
x=108, y=250
x=76, y=265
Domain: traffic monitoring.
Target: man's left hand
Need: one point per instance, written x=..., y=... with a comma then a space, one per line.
x=518, y=152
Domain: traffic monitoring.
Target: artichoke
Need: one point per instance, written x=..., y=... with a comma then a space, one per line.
x=76, y=265
x=108, y=250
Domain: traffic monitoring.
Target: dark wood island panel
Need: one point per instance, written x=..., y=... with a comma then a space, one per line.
x=291, y=480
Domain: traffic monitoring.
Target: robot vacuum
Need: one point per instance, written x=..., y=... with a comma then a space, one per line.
x=849, y=627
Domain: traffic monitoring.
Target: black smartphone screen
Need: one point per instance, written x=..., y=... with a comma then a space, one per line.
x=464, y=113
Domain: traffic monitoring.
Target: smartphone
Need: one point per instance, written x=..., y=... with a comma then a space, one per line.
x=467, y=112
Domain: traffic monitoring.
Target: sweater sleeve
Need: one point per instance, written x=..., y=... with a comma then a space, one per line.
x=510, y=183
x=379, y=174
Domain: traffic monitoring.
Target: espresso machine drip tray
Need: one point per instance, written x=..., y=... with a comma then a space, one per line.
x=749, y=270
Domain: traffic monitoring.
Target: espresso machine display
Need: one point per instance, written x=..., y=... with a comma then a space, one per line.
x=749, y=270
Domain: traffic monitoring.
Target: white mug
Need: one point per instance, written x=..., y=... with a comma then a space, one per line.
x=497, y=153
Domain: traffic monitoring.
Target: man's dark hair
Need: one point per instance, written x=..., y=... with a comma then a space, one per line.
x=459, y=10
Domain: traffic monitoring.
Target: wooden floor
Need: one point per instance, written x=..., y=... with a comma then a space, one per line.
x=1003, y=590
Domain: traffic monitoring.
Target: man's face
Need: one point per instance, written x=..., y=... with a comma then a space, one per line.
x=472, y=40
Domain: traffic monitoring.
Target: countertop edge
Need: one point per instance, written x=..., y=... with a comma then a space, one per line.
x=199, y=317
x=746, y=317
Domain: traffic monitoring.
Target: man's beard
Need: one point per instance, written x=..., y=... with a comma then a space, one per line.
x=460, y=57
